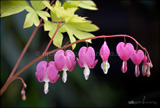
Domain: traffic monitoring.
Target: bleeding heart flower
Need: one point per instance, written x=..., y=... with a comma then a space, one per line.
x=46, y=72
x=144, y=66
x=86, y=60
x=124, y=51
x=104, y=53
x=148, y=73
x=137, y=57
x=64, y=60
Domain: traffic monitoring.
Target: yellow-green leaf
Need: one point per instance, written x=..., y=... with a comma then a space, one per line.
x=79, y=34
x=36, y=20
x=43, y=14
x=71, y=37
x=10, y=7
x=71, y=10
x=58, y=3
x=48, y=26
x=57, y=41
x=70, y=4
x=31, y=18
x=37, y=4
x=76, y=18
x=84, y=26
x=87, y=4
x=61, y=12
x=46, y=3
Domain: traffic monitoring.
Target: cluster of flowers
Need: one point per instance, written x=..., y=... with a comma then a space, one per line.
x=65, y=61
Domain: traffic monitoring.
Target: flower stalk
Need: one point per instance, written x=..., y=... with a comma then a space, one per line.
x=66, y=46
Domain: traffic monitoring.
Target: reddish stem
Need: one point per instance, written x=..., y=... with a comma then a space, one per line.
x=25, y=48
x=53, y=51
x=51, y=41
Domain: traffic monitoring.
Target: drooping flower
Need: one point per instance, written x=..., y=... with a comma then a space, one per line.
x=104, y=53
x=137, y=57
x=87, y=60
x=46, y=72
x=64, y=60
x=124, y=51
x=148, y=73
x=144, y=66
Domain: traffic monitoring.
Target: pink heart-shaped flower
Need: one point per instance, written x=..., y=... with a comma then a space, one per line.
x=124, y=51
x=137, y=57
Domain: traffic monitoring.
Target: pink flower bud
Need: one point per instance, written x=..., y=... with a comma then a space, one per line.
x=65, y=60
x=144, y=66
x=148, y=73
x=104, y=53
x=124, y=51
x=87, y=60
x=46, y=72
x=137, y=57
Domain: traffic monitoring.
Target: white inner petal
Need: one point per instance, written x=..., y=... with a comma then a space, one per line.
x=105, y=66
x=86, y=72
x=46, y=86
x=64, y=75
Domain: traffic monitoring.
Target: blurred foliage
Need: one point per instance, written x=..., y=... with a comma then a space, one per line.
x=59, y=13
x=136, y=18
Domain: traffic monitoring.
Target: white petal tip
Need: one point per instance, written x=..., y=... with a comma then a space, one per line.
x=64, y=80
x=45, y=91
x=86, y=77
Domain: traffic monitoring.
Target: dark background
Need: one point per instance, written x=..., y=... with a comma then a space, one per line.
x=138, y=18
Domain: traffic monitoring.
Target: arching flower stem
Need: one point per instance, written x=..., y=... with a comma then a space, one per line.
x=66, y=46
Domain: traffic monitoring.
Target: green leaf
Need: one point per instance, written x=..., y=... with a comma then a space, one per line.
x=38, y=5
x=70, y=4
x=60, y=12
x=76, y=18
x=57, y=41
x=85, y=26
x=79, y=34
x=31, y=18
x=46, y=3
x=48, y=26
x=87, y=4
x=43, y=14
x=11, y=7
x=71, y=10
x=58, y=3
x=71, y=37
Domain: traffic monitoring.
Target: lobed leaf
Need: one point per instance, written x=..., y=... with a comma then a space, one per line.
x=43, y=14
x=70, y=4
x=11, y=7
x=38, y=4
x=84, y=26
x=31, y=18
x=71, y=37
x=46, y=3
x=88, y=4
x=78, y=33
x=57, y=41
x=48, y=26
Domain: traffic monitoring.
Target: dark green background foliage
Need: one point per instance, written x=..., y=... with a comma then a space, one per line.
x=136, y=18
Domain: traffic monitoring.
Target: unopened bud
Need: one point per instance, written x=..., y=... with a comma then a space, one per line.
x=151, y=65
x=148, y=74
x=24, y=98
x=23, y=93
x=25, y=85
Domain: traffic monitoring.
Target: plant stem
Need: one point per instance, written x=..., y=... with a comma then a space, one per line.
x=51, y=40
x=23, y=52
x=25, y=48
x=66, y=46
